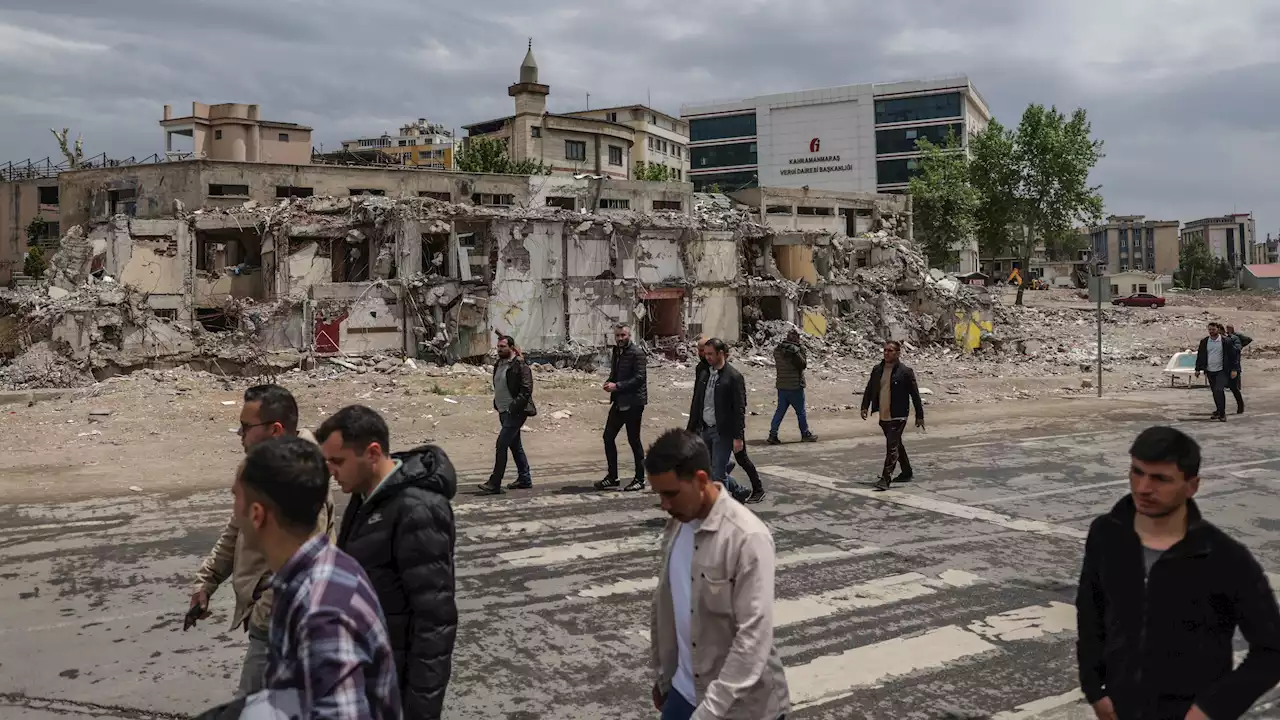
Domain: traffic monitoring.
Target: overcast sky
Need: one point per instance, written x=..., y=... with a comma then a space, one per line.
x=1185, y=93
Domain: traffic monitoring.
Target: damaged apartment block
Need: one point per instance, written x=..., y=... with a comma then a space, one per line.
x=437, y=270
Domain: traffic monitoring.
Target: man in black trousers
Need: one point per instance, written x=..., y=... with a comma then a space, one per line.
x=1240, y=341
x=891, y=391
x=1161, y=594
x=628, y=388
x=719, y=413
x=513, y=399
x=1218, y=359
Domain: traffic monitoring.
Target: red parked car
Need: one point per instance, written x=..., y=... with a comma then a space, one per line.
x=1140, y=300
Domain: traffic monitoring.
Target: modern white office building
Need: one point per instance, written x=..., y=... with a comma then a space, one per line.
x=855, y=138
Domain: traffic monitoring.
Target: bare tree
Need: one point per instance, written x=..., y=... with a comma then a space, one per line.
x=74, y=155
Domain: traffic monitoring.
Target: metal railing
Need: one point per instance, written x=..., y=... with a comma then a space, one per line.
x=40, y=169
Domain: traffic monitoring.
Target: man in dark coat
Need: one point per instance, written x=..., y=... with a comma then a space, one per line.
x=399, y=526
x=1219, y=360
x=1240, y=341
x=513, y=399
x=1161, y=595
x=790, y=360
x=891, y=391
x=719, y=413
x=628, y=388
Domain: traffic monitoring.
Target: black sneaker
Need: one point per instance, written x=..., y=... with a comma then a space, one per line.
x=1239, y=409
x=1222, y=418
x=491, y=488
x=881, y=485
x=635, y=485
x=608, y=483
x=755, y=497
x=773, y=440
x=809, y=438
x=904, y=477
x=742, y=496
x=520, y=485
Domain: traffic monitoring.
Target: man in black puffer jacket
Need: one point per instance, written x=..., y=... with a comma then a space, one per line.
x=399, y=525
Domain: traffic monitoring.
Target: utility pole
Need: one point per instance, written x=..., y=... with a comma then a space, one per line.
x=1098, y=278
x=588, y=101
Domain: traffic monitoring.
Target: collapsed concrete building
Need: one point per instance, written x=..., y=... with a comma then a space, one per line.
x=437, y=273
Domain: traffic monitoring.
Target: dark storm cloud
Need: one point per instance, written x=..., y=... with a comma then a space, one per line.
x=1184, y=100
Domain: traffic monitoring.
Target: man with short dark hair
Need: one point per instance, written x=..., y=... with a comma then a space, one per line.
x=790, y=361
x=268, y=412
x=1240, y=341
x=399, y=525
x=330, y=652
x=711, y=624
x=1161, y=594
x=628, y=388
x=719, y=412
x=891, y=391
x=513, y=399
x=1218, y=359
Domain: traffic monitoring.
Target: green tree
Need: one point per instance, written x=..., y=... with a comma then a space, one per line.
x=943, y=201
x=36, y=230
x=34, y=264
x=1195, y=266
x=489, y=155
x=652, y=172
x=1039, y=180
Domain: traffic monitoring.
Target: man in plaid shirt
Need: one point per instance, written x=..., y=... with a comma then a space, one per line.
x=329, y=642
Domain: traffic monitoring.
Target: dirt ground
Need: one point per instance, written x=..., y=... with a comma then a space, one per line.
x=174, y=430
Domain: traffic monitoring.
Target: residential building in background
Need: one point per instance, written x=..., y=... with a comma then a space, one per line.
x=235, y=132
x=1132, y=242
x=29, y=214
x=419, y=144
x=1230, y=237
x=854, y=138
x=660, y=139
x=569, y=144
x=1270, y=252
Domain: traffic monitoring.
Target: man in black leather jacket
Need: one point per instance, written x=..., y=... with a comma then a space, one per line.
x=628, y=388
x=399, y=526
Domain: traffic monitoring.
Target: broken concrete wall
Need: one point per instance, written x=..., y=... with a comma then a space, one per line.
x=358, y=319
x=528, y=299
x=713, y=255
x=595, y=307
x=307, y=267
x=714, y=312
x=660, y=257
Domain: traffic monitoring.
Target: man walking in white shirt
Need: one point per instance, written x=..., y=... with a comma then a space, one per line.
x=711, y=629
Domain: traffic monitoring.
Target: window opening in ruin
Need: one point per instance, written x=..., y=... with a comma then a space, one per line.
x=166, y=314
x=493, y=199
x=123, y=202
x=215, y=320
x=289, y=191
x=283, y=137
x=351, y=258
x=355, y=192
x=228, y=190
x=575, y=150
x=436, y=195
x=771, y=308
x=778, y=210
x=663, y=322
x=674, y=205
x=802, y=210
x=535, y=131
x=435, y=255
x=615, y=155
x=615, y=204
x=48, y=195
x=564, y=203
x=860, y=258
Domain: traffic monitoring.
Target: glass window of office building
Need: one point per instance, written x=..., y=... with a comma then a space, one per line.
x=725, y=182
x=901, y=140
x=713, y=156
x=725, y=126
x=894, y=172
x=922, y=107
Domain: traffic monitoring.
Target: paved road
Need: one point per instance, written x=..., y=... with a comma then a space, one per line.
x=949, y=598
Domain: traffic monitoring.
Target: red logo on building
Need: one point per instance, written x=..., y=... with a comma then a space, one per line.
x=814, y=145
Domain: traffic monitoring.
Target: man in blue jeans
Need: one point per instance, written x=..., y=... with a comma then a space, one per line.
x=790, y=360
x=513, y=399
x=719, y=413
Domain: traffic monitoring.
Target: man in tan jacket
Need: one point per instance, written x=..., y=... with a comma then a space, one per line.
x=269, y=411
x=711, y=630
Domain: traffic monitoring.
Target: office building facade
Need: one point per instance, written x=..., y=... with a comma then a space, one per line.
x=854, y=138
x=1230, y=237
x=1131, y=242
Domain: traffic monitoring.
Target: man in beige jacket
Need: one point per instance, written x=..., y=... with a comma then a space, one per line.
x=269, y=411
x=711, y=631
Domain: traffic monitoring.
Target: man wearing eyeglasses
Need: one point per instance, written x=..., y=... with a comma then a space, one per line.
x=269, y=411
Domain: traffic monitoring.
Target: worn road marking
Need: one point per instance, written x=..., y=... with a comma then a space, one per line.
x=539, y=556
x=528, y=528
x=867, y=595
x=835, y=677
x=942, y=507
x=1113, y=483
